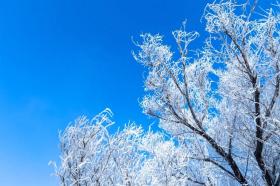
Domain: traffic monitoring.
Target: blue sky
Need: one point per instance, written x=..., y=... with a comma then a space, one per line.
x=63, y=58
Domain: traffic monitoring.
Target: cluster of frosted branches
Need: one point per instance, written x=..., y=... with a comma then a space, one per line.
x=220, y=105
x=92, y=156
x=224, y=102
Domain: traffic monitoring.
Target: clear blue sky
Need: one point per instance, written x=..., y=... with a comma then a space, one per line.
x=63, y=58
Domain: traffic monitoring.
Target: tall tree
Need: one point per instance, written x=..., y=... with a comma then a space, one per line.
x=222, y=101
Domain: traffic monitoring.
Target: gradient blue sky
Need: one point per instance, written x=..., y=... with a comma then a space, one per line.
x=63, y=58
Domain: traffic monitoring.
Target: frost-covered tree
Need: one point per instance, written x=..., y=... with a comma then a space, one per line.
x=90, y=155
x=221, y=101
x=220, y=105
